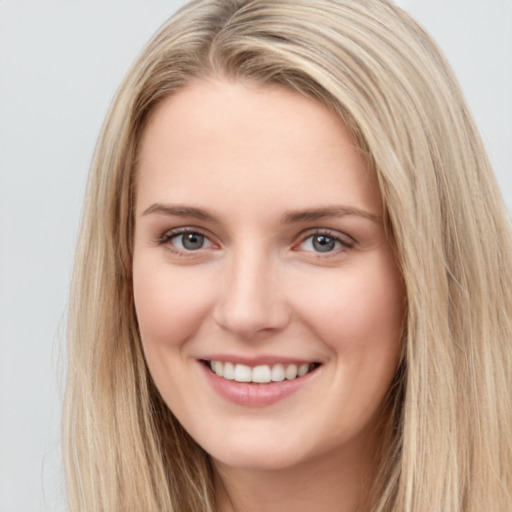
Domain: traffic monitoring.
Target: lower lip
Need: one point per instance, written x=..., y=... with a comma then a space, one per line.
x=255, y=395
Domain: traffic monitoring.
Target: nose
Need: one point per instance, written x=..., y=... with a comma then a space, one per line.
x=251, y=302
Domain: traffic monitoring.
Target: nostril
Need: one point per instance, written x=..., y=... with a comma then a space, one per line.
x=254, y=321
x=251, y=303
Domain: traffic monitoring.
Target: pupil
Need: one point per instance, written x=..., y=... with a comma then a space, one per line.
x=323, y=243
x=193, y=241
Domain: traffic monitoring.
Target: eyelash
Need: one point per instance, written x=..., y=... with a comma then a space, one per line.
x=168, y=236
x=345, y=243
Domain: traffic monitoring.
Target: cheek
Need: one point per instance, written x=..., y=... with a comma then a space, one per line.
x=357, y=305
x=359, y=313
x=169, y=304
x=374, y=309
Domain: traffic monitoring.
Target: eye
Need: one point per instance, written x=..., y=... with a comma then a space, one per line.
x=325, y=243
x=185, y=240
x=189, y=241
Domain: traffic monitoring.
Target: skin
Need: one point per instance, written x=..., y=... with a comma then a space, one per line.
x=249, y=155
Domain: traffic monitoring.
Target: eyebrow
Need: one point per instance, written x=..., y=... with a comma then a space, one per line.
x=180, y=211
x=329, y=211
x=290, y=217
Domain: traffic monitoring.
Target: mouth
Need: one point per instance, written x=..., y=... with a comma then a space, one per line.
x=260, y=374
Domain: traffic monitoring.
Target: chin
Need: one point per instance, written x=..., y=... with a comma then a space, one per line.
x=257, y=460
x=249, y=451
x=259, y=454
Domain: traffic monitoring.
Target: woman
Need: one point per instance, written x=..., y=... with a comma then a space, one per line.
x=292, y=286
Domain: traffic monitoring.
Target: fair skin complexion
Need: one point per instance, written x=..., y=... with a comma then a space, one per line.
x=258, y=241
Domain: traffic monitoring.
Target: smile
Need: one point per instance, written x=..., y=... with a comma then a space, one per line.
x=261, y=374
x=262, y=383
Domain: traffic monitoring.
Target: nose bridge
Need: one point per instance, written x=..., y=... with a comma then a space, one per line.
x=251, y=301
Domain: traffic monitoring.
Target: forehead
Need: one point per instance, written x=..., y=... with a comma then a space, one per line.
x=260, y=112
x=252, y=140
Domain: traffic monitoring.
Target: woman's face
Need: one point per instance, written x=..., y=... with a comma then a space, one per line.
x=269, y=303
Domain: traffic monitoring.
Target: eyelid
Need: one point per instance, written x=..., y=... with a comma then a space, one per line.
x=346, y=241
x=168, y=235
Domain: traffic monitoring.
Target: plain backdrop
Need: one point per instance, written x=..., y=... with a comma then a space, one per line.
x=60, y=63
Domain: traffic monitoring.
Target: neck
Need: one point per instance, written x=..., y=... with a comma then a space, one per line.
x=335, y=482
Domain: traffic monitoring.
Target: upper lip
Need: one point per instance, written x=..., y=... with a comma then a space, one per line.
x=256, y=361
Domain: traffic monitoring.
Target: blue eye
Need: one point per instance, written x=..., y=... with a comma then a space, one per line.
x=188, y=241
x=321, y=243
x=324, y=243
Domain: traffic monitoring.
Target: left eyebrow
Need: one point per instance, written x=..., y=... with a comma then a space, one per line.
x=330, y=211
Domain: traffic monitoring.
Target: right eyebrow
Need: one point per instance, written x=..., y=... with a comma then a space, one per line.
x=180, y=211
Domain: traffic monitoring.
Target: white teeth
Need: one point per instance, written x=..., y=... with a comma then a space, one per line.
x=291, y=372
x=303, y=369
x=218, y=368
x=261, y=374
x=243, y=373
x=277, y=373
x=229, y=371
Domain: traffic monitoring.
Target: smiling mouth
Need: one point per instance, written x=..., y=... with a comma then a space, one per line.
x=261, y=374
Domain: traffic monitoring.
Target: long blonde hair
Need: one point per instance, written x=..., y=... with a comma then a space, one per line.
x=449, y=439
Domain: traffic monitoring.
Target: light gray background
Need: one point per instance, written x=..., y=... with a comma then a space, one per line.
x=60, y=63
